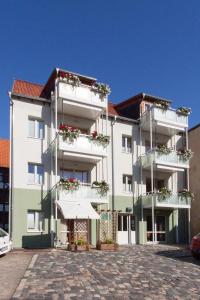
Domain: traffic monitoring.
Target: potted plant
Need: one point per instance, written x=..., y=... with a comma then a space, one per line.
x=186, y=194
x=107, y=244
x=101, y=186
x=185, y=154
x=162, y=149
x=70, y=184
x=183, y=111
x=164, y=105
x=81, y=245
x=102, y=88
x=70, y=78
x=99, y=138
x=164, y=192
x=68, y=132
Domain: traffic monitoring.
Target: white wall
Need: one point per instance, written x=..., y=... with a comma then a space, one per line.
x=28, y=149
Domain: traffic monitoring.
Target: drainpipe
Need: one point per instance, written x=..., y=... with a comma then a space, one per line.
x=11, y=170
x=113, y=162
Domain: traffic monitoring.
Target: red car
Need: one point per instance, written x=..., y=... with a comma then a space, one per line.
x=195, y=246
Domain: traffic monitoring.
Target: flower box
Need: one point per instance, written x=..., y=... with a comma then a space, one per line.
x=75, y=248
x=105, y=247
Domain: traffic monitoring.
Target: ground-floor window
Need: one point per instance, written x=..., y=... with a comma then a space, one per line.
x=35, y=220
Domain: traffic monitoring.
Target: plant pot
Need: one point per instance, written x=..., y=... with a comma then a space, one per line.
x=105, y=247
x=82, y=247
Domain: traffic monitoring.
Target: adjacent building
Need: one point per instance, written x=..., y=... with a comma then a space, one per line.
x=4, y=183
x=194, y=144
x=70, y=145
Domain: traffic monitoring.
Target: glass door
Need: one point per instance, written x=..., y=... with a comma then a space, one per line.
x=159, y=228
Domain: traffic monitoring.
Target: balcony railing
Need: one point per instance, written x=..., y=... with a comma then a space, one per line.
x=85, y=192
x=168, y=117
x=82, y=145
x=172, y=159
x=172, y=201
x=83, y=94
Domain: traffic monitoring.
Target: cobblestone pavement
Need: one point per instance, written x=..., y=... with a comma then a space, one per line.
x=138, y=272
x=12, y=268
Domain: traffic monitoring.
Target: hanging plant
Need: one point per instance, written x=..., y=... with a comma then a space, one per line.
x=102, y=88
x=70, y=184
x=69, y=132
x=164, y=105
x=101, y=186
x=70, y=78
x=183, y=111
x=164, y=192
x=163, y=149
x=100, y=138
x=185, y=154
x=186, y=194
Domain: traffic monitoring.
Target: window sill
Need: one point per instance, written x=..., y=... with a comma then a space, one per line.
x=35, y=184
x=35, y=138
x=35, y=231
x=125, y=152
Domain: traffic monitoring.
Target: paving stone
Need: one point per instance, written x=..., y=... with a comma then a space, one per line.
x=147, y=272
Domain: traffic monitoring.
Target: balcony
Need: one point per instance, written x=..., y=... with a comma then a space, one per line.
x=166, y=162
x=172, y=201
x=81, y=149
x=166, y=121
x=85, y=192
x=81, y=100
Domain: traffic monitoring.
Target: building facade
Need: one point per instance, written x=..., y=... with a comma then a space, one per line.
x=4, y=184
x=69, y=145
x=194, y=144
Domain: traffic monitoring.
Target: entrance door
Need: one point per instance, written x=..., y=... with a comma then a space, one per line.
x=126, y=229
x=159, y=228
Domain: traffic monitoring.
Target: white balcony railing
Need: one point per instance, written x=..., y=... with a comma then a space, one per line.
x=83, y=94
x=85, y=192
x=82, y=145
x=172, y=159
x=172, y=201
x=167, y=117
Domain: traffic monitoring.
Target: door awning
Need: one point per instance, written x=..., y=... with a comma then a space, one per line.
x=77, y=210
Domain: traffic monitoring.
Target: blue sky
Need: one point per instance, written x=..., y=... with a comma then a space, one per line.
x=133, y=45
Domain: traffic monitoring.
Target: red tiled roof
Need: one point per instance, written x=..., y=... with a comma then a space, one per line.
x=111, y=109
x=4, y=153
x=27, y=88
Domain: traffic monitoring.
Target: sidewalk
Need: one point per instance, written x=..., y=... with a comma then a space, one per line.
x=12, y=266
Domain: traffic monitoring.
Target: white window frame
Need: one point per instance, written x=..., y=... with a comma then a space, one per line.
x=38, y=221
x=127, y=188
x=33, y=178
x=37, y=133
x=126, y=148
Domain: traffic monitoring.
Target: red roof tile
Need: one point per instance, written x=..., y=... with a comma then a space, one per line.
x=4, y=153
x=111, y=109
x=27, y=88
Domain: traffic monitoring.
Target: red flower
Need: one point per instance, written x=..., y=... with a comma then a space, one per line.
x=61, y=127
x=72, y=180
x=94, y=134
x=62, y=74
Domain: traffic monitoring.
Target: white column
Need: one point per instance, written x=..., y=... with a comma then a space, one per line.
x=56, y=157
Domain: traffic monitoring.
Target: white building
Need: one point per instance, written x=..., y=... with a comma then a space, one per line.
x=139, y=163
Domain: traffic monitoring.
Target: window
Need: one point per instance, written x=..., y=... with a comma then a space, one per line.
x=127, y=183
x=80, y=175
x=35, y=128
x=126, y=144
x=35, y=220
x=35, y=174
